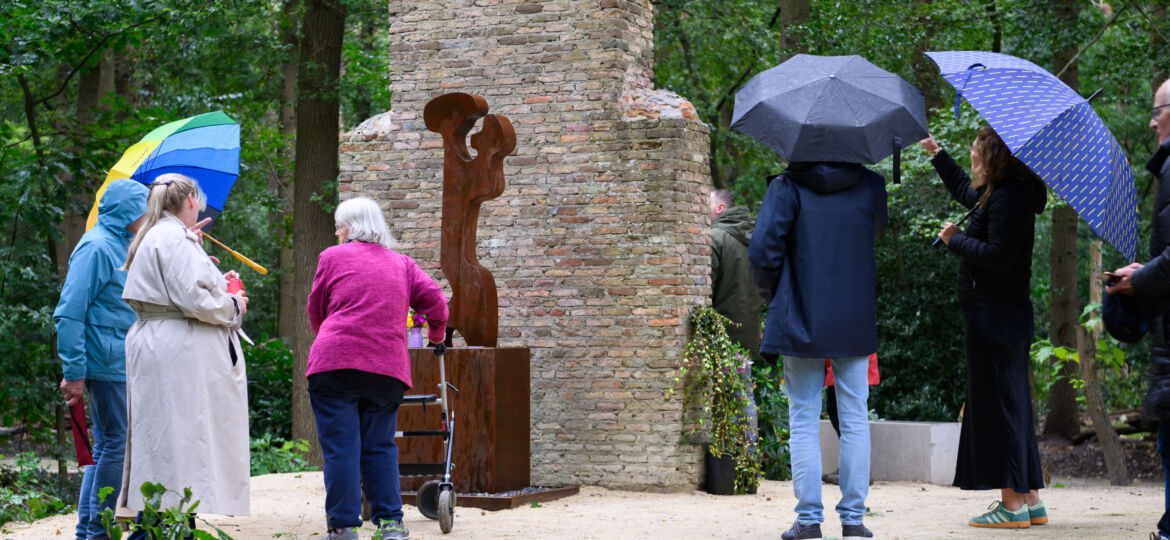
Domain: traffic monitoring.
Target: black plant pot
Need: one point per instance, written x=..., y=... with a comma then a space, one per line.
x=719, y=474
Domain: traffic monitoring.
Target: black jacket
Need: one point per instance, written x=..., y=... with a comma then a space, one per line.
x=812, y=257
x=1151, y=283
x=995, y=249
x=733, y=292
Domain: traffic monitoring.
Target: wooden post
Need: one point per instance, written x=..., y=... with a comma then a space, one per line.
x=1087, y=353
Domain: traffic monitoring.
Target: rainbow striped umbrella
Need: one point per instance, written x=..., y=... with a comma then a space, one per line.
x=204, y=147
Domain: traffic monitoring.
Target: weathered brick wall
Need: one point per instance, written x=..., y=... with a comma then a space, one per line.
x=599, y=243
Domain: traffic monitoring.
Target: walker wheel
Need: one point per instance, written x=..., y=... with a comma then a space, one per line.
x=446, y=510
x=427, y=499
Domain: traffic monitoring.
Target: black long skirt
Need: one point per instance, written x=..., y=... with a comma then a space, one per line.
x=997, y=444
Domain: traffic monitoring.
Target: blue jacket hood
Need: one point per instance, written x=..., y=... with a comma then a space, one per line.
x=91, y=317
x=122, y=204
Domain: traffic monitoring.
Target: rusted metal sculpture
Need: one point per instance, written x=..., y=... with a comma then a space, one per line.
x=467, y=183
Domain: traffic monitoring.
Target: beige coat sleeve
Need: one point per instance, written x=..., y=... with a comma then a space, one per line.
x=196, y=286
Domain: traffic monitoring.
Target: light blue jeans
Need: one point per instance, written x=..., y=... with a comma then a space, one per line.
x=107, y=404
x=804, y=378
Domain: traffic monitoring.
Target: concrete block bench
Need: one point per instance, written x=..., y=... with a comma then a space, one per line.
x=903, y=451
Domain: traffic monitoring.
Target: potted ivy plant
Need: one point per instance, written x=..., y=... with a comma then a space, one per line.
x=716, y=395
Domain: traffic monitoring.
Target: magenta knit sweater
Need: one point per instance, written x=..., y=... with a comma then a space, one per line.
x=358, y=309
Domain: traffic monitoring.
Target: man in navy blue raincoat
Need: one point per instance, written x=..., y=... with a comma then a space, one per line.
x=92, y=320
x=813, y=261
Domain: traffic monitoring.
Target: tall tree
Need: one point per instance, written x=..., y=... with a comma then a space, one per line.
x=318, y=107
x=287, y=34
x=1094, y=399
x=1063, y=411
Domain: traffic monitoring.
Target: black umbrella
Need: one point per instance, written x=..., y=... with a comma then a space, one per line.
x=830, y=108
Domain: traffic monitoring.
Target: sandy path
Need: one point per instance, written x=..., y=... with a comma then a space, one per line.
x=289, y=506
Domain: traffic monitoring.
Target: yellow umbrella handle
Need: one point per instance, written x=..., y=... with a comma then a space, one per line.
x=237, y=255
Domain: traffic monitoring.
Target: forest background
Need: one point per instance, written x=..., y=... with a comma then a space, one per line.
x=80, y=81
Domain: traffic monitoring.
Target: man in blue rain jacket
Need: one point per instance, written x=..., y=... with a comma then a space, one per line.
x=92, y=320
x=813, y=262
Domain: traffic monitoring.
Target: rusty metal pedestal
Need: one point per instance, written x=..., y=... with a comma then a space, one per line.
x=491, y=456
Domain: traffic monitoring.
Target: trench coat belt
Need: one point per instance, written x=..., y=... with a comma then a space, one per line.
x=160, y=315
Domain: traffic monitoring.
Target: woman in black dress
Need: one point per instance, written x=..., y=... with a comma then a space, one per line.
x=997, y=445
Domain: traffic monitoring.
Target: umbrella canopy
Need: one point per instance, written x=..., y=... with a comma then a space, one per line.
x=204, y=147
x=1055, y=132
x=830, y=108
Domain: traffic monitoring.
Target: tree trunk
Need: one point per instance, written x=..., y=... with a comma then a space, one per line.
x=1158, y=45
x=925, y=74
x=996, y=25
x=73, y=224
x=1087, y=353
x=107, y=78
x=315, y=174
x=286, y=315
x=794, y=13
x=1063, y=412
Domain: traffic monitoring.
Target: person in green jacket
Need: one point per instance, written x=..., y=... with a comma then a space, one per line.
x=733, y=290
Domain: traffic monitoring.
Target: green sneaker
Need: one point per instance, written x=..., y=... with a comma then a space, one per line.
x=999, y=517
x=1037, y=515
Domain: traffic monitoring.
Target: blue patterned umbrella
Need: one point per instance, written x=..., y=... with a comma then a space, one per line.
x=1055, y=132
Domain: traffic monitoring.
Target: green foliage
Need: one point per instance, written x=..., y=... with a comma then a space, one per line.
x=29, y=492
x=272, y=456
x=269, y=389
x=1121, y=381
x=173, y=523
x=705, y=49
x=772, y=413
x=167, y=59
x=714, y=387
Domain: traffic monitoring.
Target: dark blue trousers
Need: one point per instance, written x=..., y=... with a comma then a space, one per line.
x=1164, y=450
x=357, y=442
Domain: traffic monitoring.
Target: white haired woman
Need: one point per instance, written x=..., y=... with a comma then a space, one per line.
x=359, y=366
x=186, y=388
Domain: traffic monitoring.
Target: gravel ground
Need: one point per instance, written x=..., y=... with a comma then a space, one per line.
x=289, y=506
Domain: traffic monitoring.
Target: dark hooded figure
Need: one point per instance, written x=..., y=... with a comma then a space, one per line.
x=997, y=444
x=813, y=260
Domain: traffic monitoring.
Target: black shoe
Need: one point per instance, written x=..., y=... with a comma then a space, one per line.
x=802, y=532
x=855, y=532
x=832, y=478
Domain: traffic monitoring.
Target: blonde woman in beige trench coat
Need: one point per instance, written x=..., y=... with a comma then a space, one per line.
x=185, y=386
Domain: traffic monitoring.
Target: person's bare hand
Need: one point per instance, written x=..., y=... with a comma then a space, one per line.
x=230, y=275
x=242, y=302
x=73, y=390
x=198, y=228
x=1125, y=284
x=949, y=230
x=929, y=144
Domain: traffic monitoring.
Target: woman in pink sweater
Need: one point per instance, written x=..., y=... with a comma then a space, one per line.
x=359, y=366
